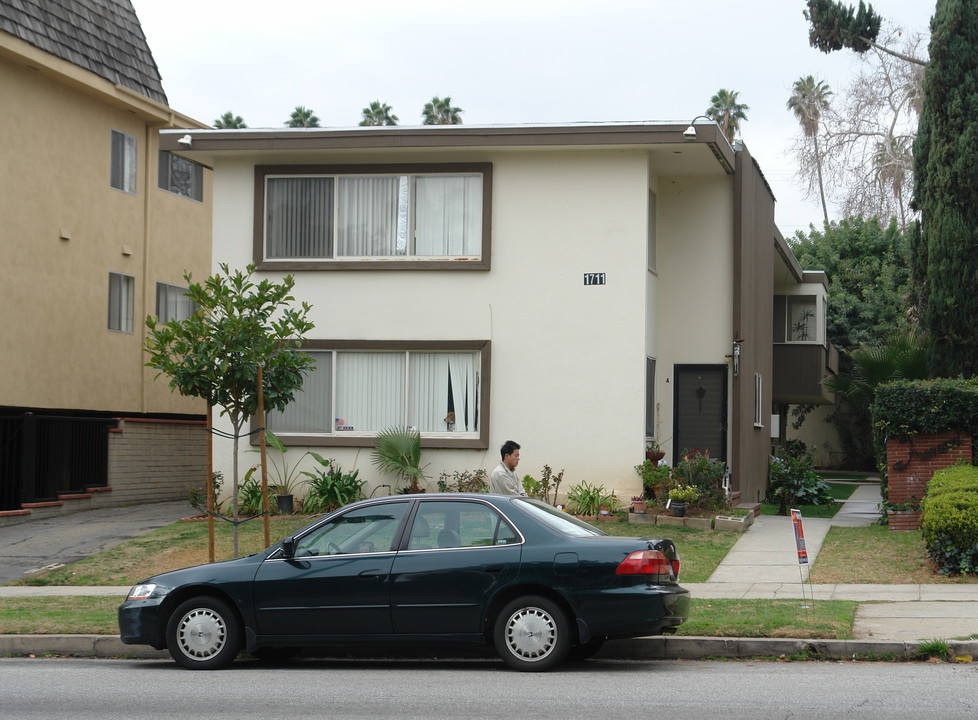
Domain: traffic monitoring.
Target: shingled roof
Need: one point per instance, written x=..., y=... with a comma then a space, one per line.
x=103, y=36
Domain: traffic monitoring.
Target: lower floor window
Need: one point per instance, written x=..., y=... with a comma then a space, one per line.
x=355, y=392
x=122, y=293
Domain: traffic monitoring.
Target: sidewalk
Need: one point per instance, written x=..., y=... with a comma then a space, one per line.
x=762, y=564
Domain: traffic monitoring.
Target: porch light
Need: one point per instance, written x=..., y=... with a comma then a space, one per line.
x=690, y=132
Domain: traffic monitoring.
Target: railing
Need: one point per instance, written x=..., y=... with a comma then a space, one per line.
x=42, y=457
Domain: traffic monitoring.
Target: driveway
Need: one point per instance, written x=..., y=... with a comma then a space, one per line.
x=63, y=540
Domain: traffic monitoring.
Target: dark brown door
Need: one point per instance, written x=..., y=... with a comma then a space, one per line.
x=701, y=410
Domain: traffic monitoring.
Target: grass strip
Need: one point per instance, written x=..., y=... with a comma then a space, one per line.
x=822, y=619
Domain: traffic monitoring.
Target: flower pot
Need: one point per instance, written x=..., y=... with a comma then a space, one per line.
x=677, y=508
x=639, y=507
x=654, y=456
x=285, y=504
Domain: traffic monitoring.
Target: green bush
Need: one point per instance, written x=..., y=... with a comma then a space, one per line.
x=250, y=495
x=793, y=480
x=950, y=520
x=952, y=479
x=466, y=481
x=330, y=487
x=702, y=472
x=588, y=499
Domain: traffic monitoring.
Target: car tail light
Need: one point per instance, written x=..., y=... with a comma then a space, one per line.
x=650, y=562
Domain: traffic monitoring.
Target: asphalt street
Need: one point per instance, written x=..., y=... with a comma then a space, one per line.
x=62, y=540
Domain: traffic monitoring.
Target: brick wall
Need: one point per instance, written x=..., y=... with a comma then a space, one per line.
x=910, y=464
x=153, y=461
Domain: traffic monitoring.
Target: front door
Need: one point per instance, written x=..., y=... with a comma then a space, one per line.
x=701, y=410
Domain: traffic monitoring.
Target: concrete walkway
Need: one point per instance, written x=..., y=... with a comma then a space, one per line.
x=764, y=564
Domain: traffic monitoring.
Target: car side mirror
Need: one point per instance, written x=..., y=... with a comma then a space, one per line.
x=288, y=548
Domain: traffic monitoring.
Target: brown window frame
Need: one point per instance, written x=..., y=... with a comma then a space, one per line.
x=483, y=263
x=478, y=443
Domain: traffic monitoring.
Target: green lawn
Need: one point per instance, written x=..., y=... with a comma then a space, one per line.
x=838, y=491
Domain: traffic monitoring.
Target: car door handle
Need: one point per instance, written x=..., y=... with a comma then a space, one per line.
x=494, y=568
x=372, y=573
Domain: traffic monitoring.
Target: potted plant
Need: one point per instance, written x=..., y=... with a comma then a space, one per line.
x=639, y=505
x=654, y=451
x=655, y=480
x=679, y=496
x=286, y=479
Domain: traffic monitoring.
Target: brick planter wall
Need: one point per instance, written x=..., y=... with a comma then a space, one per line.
x=910, y=464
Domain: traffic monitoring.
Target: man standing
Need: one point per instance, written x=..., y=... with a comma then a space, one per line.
x=504, y=480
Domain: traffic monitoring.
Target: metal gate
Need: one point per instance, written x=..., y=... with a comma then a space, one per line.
x=44, y=456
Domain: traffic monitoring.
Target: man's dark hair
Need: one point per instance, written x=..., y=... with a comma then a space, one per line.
x=508, y=448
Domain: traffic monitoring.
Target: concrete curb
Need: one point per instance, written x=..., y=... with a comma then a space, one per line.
x=649, y=648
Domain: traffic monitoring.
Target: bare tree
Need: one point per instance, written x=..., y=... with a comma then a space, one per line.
x=866, y=137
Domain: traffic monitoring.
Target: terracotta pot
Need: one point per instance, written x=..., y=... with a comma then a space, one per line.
x=639, y=507
x=654, y=456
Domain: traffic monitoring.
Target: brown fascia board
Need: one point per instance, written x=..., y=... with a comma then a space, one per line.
x=784, y=250
x=453, y=136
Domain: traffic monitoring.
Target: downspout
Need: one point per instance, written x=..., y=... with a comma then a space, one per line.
x=147, y=297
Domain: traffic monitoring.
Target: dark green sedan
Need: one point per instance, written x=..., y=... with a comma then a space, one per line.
x=538, y=584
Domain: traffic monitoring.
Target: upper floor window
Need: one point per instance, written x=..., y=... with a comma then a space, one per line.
x=359, y=389
x=122, y=295
x=796, y=319
x=123, y=162
x=181, y=176
x=172, y=303
x=327, y=216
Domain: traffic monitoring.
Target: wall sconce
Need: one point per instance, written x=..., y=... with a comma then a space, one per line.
x=690, y=132
x=736, y=356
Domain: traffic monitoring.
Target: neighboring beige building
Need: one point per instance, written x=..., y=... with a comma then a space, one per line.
x=577, y=288
x=95, y=236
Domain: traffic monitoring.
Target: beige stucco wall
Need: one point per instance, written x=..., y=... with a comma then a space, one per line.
x=568, y=360
x=58, y=352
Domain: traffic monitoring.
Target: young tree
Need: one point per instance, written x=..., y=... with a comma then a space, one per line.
x=441, y=112
x=836, y=26
x=377, y=114
x=302, y=117
x=727, y=112
x=215, y=354
x=809, y=99
x=230, y=121
x=946, y=192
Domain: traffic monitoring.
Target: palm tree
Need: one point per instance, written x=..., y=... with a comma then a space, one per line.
x=302, y=117
x=230, y=121
x=378, y=114
x=440, y=112
x=808, y=100
x=726, y=112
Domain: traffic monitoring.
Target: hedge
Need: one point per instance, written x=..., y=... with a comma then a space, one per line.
x=908, y=407
x=950, y=519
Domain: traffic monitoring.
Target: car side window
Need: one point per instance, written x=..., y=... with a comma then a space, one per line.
x=364, y=530
x=455, y=524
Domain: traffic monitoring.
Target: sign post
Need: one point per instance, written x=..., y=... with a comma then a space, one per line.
x=802, y=551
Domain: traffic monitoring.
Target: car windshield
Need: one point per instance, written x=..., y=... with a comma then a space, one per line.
x=557, y=519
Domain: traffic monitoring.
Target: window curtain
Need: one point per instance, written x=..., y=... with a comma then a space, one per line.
x=370, y=390
x=298, y=217
x=428, y=395
x=464, y=368
x=121, y=302
x=310, y=411
x=448, y=215
x=172, y=303
x=367, y=216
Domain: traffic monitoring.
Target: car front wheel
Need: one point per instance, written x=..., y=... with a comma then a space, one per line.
x=203, y=633
x=532, y=634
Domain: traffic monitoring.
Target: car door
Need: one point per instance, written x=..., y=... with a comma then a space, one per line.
x=457, y=554
x=338, y=582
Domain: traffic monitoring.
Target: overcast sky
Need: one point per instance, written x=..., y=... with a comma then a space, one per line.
x=505, y=61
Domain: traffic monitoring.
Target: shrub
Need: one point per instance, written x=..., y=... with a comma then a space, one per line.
x=705, y=474
x=793, y=481
x=684, y=493
x=250, y=495
x=544, y=489
x=655, y=479
x=198, y=495
x=950, y=520
x=465, y=481
x=588, y=499
x=330, y=487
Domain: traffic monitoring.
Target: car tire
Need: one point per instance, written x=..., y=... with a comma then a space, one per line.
x=532, y=634
x=586, y=651
x=203, y=633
